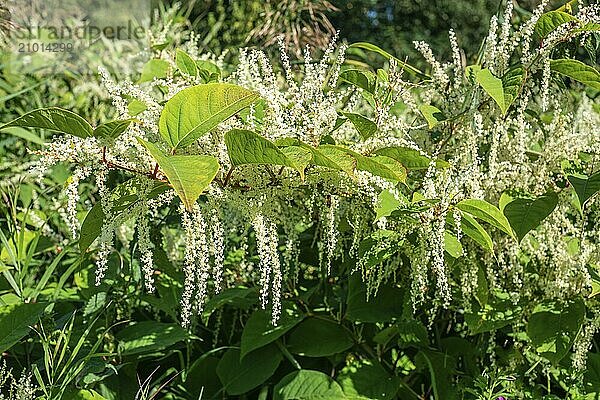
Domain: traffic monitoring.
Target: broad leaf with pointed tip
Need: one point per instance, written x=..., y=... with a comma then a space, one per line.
x=585, y=188
x=553, y=327
x=432, y=115
x=154, y=68
x=578, y=71
x=196, y=110
x=308, y=385
x=526, y=214
x=551, y=20
x=493, y=87
x=247, y=147
x=328, y=157
x=511, y=84
x=185, y=63
x=486, y=212
x=383, y=166
x=361, y=79
x=403, y=65
x=365, y=127
x=54, y=119
x=473, y=229
x=112, y=129
x=189, y=175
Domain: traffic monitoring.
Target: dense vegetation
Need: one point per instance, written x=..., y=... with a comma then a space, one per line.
x=333, y=223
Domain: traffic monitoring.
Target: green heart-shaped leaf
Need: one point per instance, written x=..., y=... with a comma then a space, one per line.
x=526, y=214
x=189, y=175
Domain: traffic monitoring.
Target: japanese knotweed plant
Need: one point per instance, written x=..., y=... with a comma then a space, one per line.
x=473, y=185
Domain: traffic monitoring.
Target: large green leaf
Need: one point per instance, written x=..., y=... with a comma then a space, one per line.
x=475, y=231
x=526, y=214
x=154, y=68
x=383, y=166
x=307, y=385
x=325, y=157
x=577, y=70
x=385, y=305
x=553, y=327
x=410, y=158
x=497, y=313
x=189, y=175
x=511, y=84
x=54, y=119
x=15, y=322
x=486, y=212
x=432, y=114
x=365, y=127
x=493, y=87
x=201, y=379
x=319, y=337
x=591, y=377
x=368, y=381
x=585, y=188
x=241, y=298
x=379, y=246
x=240, y=375
x=386, y=204
x=551, y=20
x=150, y=336
x=259, y=330
x=247, y=147
x=82, y=394
x=185, y=63
x=441, y=368
x=362, y=79
x=194, y=111
x=452, y=245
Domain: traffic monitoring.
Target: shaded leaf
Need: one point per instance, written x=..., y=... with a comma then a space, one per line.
x=150, y=336
x=365, y=127
x=318, y=337
x=259, y=330
x=362, y=381
x=240, y=375
x=526, y=214
x=585, y=188
x=15, y=322
x=553, y=327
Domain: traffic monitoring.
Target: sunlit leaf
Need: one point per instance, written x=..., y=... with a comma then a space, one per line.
x=196, y=110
